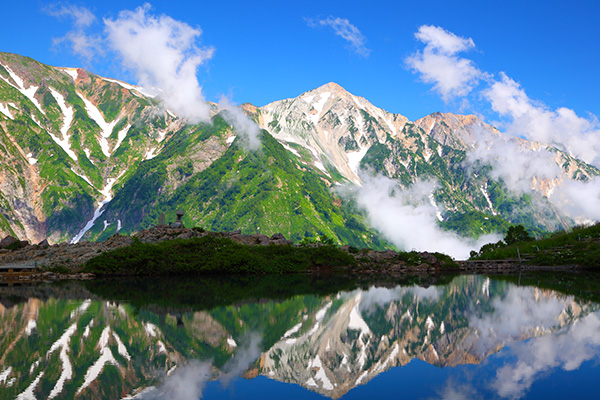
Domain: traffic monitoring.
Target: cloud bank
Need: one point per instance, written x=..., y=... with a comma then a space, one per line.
x=522, y=167
x=407, y=218
x=344, y=29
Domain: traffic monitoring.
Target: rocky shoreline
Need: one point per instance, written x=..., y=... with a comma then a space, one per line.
x=65, y=261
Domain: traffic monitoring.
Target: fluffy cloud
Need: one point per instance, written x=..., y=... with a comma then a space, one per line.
x=517, y=162
x=535, y=358
x=162, y=53
x=523, y=167
x=247, y=129
x=81, y=43
x=563, y=128
x=186, y=383
x=343, y=28
x=407, y=218
x=438, y=63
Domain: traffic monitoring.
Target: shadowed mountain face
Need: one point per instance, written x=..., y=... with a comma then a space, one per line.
x=87, y=156
x=66, y=341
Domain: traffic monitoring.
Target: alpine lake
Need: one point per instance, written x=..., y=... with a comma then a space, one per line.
x=533, y=335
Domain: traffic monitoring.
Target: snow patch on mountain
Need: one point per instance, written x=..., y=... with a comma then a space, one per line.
x=27, y=92
x=120, y=137
x=107, y=192
x=81, y=309
x=121, y=347
x=31, y=325
x=27, y=394
x=106, y=128
x=151, y=329
x=4, y=375
x=67, y=121
x=4, y=110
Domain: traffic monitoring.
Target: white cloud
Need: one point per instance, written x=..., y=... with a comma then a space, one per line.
x=343, y=28
x=407, y=219
x=451, y=76
x=523, y=167
x=579, y=200
x=247, y=129
x=442, y=41
x=517, y=162
x=186, y=383
x=81, y=43
x=567, y=349
x=563, y=128
x=162, y=53
x=81, y=16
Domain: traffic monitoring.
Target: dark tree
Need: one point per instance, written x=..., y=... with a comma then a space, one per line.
x=517, y=233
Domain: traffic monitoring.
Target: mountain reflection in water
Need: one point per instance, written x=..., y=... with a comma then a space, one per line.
x=185, y=339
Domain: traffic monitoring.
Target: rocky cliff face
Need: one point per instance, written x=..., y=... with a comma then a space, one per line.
x=345, y=133
x=70, y=138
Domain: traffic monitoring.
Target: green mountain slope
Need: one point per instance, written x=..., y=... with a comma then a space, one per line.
x=268, y=191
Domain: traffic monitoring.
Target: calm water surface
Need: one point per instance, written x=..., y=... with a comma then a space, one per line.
x=302, y=338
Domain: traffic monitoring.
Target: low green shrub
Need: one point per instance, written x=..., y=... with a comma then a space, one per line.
x=212, y=255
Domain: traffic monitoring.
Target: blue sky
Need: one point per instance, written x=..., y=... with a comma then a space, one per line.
x=270, y=50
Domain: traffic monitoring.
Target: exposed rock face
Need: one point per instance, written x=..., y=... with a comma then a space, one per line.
x=344, y=133
x=336, y=126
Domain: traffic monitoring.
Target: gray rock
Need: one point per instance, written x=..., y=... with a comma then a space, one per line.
x=7, y=241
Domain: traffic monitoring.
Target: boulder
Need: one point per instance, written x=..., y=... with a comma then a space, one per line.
x=8, y=241
x=278, y=238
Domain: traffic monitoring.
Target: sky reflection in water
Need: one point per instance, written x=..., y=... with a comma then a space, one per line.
x=472, y=338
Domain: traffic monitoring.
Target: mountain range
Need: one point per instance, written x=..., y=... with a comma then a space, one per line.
x=86, y=156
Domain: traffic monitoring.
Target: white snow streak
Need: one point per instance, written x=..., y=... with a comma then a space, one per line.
x=150, y=154
x=34, y=366
x=487, y=197
x=320, y=375
x=151, y=329
x=4, y=110
x=134, y=88
x=105, y=127
x=32, y=161
x=106, y=357
x=82, y=308
x=4, y=375
x=67, y=368
x=120, y=137
x=67, y=121
x=121, y=347
x=31, y=325
x=161, y=347
x=72, y=72
x=29, y=92
x=106, y=191
x=28, y=393
x=292, y=331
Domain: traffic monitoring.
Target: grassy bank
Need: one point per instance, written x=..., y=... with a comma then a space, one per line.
x=210, y=254
x=580, y=246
